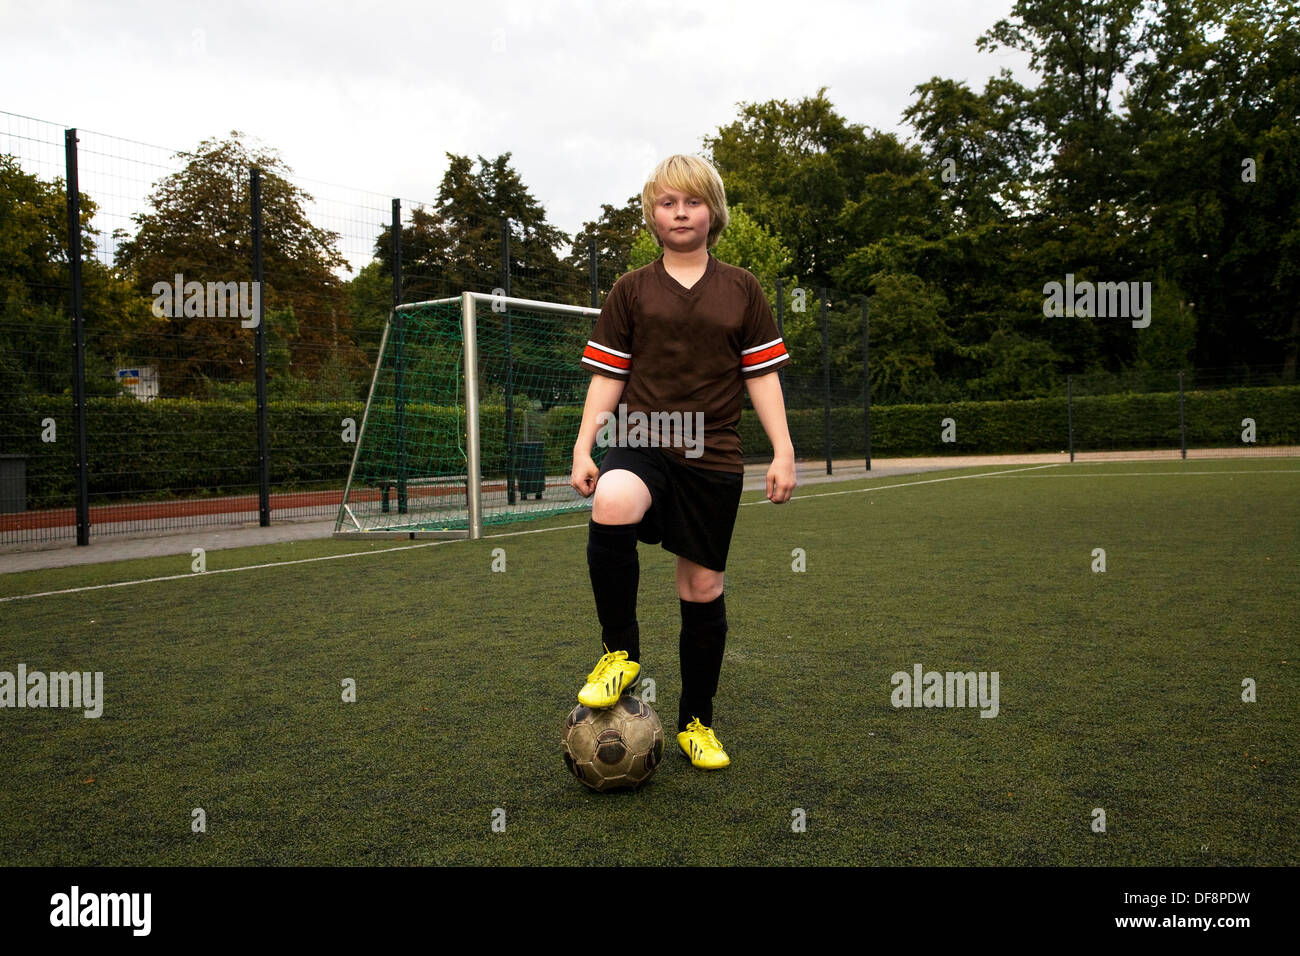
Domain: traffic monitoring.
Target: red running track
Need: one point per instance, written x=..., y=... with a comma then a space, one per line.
x=191, y=507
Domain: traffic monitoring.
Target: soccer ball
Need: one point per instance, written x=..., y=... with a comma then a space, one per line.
x=616, y=748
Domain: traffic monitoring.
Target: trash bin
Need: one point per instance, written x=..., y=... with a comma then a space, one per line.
x=13, y=483
x=529, y=468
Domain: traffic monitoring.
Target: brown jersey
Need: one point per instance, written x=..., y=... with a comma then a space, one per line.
x=685, y=354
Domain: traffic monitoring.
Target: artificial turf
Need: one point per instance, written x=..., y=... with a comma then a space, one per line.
x=1119, y=691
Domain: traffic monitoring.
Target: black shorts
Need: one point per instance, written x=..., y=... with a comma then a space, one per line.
x=692, y=510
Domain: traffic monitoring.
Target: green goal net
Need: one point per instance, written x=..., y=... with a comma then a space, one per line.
x=471, y=418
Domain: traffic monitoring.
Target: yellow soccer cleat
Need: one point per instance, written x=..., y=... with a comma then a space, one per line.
x=613, y=674
x=699, y=743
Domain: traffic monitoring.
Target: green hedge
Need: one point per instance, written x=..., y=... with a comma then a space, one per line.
x=180, y=447
x=186, y=447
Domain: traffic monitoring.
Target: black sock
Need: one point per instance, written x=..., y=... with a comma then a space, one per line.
x=615, y=574
x=703, y=638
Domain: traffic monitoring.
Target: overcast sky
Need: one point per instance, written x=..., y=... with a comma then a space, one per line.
x=586, y=95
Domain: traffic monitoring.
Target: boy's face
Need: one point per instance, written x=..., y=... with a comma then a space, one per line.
x=682, y=221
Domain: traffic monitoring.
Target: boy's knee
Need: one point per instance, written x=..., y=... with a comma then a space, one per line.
x=621, y=498
x=700, y=585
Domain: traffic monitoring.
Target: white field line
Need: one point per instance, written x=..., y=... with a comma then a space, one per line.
x=1167, y=474
x=904, y=484
x=569, y=527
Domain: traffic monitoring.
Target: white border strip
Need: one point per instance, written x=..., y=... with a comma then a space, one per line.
x=904, y=484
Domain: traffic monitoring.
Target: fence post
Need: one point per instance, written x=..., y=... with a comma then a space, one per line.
x=866, y=380
x=826, y=378
x=1069, y=413
x=398, y=328
x=396, y=246
x=594, y=265
x=259, y=348
x=78, y=338
x=1182, y=417
x=399, y=362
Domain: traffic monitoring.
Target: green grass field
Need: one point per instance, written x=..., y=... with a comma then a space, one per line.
x=1120, y=691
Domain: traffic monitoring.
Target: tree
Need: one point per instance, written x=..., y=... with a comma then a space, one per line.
x=456, y=246
x=200, y=228
x=746, y=244
x=909, y=338
x=426, y=246
x=36, y=357
x=979, y=146
x=977, y=276
x=1217, y=174
x=1072, y=218
x=644, y=251
x=796, y=166
x=1154, y=124
x=370, y=301
x=472, y=207
x=614, y=232
x=743, y=243
x=1082, y=49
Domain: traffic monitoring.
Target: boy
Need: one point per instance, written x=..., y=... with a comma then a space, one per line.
x=673, y=345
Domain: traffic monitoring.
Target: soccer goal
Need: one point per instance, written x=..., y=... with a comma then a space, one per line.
x=472, y=414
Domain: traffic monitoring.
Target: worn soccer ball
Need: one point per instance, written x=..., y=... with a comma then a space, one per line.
x=616, y=748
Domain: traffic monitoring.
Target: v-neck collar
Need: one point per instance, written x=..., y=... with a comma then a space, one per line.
x=676, y=286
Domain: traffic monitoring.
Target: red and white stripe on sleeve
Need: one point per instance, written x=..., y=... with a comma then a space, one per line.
x=602, y=358
x=762, y=356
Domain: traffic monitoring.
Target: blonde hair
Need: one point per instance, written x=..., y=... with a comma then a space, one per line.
x=695, y=177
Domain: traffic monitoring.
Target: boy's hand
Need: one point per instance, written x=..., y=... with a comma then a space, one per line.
x=780, y=479
x=583, y=477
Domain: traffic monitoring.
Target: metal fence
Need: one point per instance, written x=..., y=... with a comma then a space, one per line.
x=157, y=376
x=84, y=349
